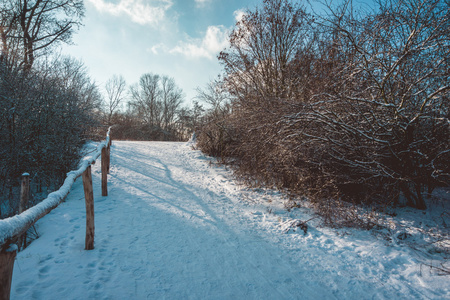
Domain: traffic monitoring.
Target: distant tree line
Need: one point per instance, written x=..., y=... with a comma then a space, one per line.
x=346, y=107
x=151, y=109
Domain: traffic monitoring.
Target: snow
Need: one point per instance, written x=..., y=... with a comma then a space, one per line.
x=177, y=226
x=13, y=226
x=12, y=248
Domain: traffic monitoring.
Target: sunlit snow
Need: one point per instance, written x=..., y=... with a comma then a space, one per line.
x=175, y=226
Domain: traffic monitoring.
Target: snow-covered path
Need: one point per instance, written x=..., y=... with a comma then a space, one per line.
x=176, y=227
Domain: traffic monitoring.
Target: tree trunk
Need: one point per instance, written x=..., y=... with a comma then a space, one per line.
x=420, y=203
x=413, y=200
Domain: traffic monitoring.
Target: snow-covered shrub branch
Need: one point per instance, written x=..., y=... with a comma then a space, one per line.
x=46, y=115
x=348, y=106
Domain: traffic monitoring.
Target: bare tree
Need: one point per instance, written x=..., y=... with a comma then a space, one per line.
x=115, y=88
x=353, y=107
x=172, y=96
x=45, y=117
x=262, y=45
x=153, y=110
x=9, y=47
x=156, y=100
x=381, y=120
x=261, y=78
x=215, y=95
x=146, y=98
x=40, y=24
x=189, y=120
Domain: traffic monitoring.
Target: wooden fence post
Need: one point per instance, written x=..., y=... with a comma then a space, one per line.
x=108, y=161
x=24, y=192
x=24, y=197
x=109, y=152
x=6, y=270
x=89, y=198
x=104, y=172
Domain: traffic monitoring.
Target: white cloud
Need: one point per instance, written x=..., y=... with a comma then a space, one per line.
x=238, y=14
x=215, y=40
x=139, y=11
x=155, y=48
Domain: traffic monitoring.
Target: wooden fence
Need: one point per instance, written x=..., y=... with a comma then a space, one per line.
x=13, y=230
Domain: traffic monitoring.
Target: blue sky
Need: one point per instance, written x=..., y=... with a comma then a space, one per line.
x=178, y=38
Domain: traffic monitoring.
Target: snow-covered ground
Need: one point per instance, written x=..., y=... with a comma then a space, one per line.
x=176, y=226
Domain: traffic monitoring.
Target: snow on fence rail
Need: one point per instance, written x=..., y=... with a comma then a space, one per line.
x=13, y=228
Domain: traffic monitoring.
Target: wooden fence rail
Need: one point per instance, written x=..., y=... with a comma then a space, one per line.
x=13, y=229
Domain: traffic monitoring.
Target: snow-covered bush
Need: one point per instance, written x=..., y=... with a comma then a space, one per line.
x=46, y=116
x=350, y=106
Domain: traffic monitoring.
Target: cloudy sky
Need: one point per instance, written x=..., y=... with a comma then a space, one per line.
x=178, y=38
